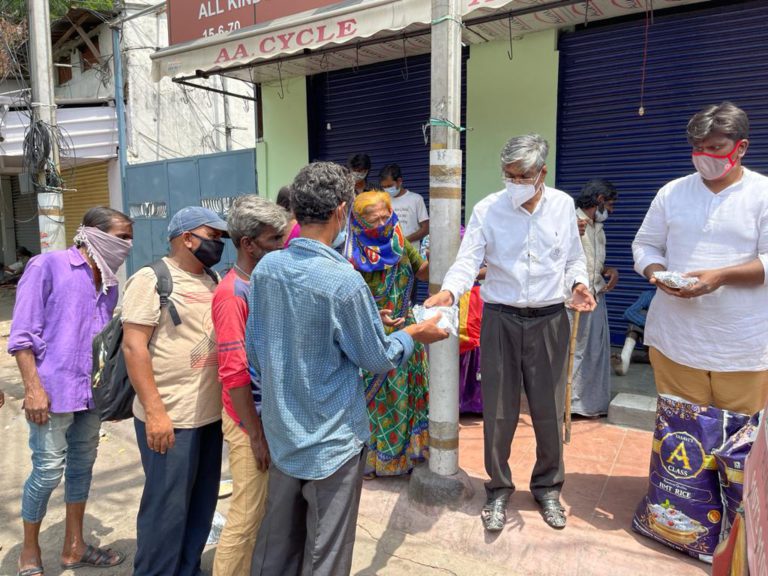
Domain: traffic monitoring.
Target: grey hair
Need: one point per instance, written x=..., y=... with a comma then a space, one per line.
x=320, y=188
x=528, y=151
x=250, y=215
x=726, y=119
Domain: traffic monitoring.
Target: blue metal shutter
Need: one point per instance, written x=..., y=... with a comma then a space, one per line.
x=601, y=134
x=378, y=111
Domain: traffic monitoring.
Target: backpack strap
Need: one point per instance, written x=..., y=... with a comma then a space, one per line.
x=165, y=289
x=213, y=274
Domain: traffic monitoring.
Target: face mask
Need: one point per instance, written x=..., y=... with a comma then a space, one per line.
x=209, y=252
x=392, y=191
x=601, y=215
x=521, y=193
x=341, y=237
x=108, y=252
x=359, y=176
x=714, y=166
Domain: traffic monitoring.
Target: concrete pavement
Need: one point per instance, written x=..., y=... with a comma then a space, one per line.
x=607, y=468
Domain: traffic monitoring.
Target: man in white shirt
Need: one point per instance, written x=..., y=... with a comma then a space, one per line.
x=528, y=236
x=409, y=207
x=708, y=342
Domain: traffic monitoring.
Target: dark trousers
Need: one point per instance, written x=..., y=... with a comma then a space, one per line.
x=309, y=527
x=179, y=500
x=531, y=353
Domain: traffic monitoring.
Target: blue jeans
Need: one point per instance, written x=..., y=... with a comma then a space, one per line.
x=180, y=494
x=65, y=446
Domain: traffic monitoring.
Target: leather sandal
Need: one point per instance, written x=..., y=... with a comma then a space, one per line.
x=553, y=513
x=494, y=514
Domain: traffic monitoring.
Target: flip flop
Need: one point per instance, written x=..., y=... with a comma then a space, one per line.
x=97, y=557
x=36, y=571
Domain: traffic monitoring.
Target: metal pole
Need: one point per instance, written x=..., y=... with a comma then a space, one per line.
x=117, y=62
x=50, y=207
x=227, y=120
x=445, y=220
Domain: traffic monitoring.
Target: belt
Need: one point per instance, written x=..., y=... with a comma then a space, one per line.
x=527, y=312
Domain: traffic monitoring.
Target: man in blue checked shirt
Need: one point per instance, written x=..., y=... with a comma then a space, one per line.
x=312, y=325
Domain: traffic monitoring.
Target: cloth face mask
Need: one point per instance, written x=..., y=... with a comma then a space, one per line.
x=108, y=252
x=209, y=252
x=715, y=166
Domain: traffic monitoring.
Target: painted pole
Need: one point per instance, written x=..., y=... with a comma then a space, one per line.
x=445, y=220
x=49, y=199
x=122, y=150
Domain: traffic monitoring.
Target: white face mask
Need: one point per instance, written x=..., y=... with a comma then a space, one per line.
x=360, y=176
x=601, y=215
x=521, y=193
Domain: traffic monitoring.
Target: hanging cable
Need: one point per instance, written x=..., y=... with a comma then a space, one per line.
x=648, y=13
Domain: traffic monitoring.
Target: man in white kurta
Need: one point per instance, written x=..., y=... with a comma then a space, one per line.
x=709, y=343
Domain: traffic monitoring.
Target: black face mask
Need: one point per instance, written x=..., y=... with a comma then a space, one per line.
x=209, y=252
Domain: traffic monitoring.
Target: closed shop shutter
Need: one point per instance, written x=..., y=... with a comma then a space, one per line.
x=378, y=110
x=91, y=183
x=601, y=134
x=27, y=227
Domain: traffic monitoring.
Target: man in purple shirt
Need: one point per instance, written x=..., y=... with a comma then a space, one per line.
x=63, y=300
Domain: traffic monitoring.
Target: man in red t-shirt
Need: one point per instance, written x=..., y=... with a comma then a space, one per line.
x=256, y=227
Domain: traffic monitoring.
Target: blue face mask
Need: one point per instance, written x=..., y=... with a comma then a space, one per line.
x=341, y=237
x=340, y=240
x=392, y=191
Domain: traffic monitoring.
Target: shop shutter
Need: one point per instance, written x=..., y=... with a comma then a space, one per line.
x=26, y=225
x=91, y=183
x=378, y=110
x=601, y=134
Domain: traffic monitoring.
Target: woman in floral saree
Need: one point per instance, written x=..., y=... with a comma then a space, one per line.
x=397, y=401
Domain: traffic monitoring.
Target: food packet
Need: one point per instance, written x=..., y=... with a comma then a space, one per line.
x=449, y=320
x=675, y=279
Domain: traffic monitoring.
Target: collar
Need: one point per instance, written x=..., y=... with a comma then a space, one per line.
x=75, y=257
x=581, y=215
x=316, y=247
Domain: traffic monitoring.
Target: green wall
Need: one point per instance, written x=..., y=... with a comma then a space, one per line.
x=285, y=147
x=507, y=98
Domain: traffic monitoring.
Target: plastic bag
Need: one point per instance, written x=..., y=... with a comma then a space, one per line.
x=449, y=321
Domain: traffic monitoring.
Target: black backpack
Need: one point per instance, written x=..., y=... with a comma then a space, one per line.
x=112, y=391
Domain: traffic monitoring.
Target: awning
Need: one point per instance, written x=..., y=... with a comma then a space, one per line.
x=88, y=133
x=357, y=32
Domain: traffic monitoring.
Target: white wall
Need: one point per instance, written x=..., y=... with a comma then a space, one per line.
x=97, y=82
x=166, y=120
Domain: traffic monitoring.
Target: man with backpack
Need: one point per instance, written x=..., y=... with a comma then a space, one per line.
x=64, y=299
x=170, y=355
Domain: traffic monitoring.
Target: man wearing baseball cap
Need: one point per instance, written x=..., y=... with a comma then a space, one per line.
x=170, y=354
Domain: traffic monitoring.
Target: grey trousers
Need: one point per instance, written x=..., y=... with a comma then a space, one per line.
x=530, y=353
x=309, y=526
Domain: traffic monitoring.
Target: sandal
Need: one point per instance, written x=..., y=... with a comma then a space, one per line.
x=553, y=513
x=494, y=514
x=36, y=571
x=98, y=557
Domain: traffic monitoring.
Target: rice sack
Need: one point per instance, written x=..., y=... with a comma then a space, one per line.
x=730, y=459
x=683, y=508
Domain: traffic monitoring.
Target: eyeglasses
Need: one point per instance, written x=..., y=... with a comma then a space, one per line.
x=518, y=179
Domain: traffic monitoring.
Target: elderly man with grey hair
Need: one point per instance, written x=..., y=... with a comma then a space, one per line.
x=708, y=342
x=256, y=227
x=313, y=324
x=528, y=236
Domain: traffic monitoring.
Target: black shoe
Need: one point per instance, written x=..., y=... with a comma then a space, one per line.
x=494, y=513
x=553, y=512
